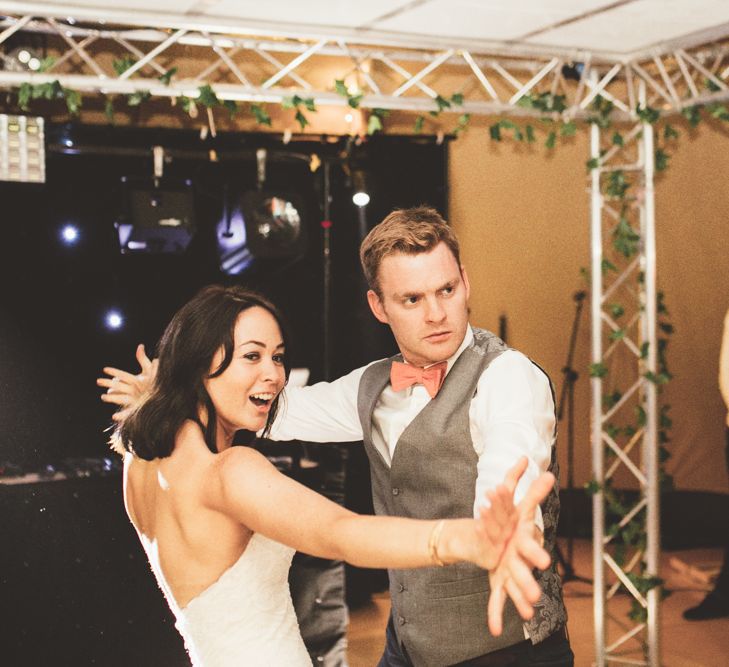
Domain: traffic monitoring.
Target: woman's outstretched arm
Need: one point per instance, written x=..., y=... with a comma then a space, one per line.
x=242, y=484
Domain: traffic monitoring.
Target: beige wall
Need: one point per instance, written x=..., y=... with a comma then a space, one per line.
x=522, y=215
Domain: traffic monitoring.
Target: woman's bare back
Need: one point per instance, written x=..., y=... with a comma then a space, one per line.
x=192, y=544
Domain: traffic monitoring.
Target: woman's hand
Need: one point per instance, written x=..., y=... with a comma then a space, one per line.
x=125, y=389
x=523, y=552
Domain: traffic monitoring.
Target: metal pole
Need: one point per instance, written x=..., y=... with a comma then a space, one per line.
x=327, y=260
x=598, y=512
x=650, y=439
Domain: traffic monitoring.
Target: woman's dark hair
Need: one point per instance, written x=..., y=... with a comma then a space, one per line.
x=186, y=350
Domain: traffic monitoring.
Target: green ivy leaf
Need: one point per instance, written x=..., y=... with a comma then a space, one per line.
x=598, y=370
x=711, y=86
x=260, y=114
x=616, y=310
x=166, y=78
x=207, y=97
x=462, y=125
x=647, y=114
x=109, y=109
x=231, y=106
x=374, y=124
x=289, y=102
x=530, y=136
x=25, y=92
x=568, y=129
x=618, y=139
x=551, y=140
x=669, y=132
x=692, y=115
x=495, y=132
x=340, y=88
x=308, y=102
x=46, y=64
x=618, y=334
x=644, y=350
x=607, y=265
x=457, y=99
x=593, y=163
x=122, y=64
x=301, y=119
x=419, y=122
x=73, y=101
x=442, y=103
x=661, y=159
x=135, y=99
x=617, y=184
x=592, y=487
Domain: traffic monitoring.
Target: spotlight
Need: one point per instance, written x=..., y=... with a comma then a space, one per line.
x=24, y=56
x=359, y=186
x=361, y=198
x=114, y=320
x=34, y=64
x=69, y=234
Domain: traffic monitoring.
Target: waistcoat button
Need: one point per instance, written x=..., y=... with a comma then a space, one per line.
x=395, y=491
x=400, y=587
x=401, y=620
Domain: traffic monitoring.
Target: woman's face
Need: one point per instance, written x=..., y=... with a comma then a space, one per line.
x=243, y=393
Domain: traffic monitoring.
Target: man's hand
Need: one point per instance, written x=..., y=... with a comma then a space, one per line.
x=125, y=389
x=523, y=552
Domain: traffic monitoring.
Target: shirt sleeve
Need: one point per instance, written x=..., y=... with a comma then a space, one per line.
x=323, y=412
x=724, y=364
x=512, y=415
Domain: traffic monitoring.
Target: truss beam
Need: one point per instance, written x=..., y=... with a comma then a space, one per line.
x=250, y=63
x=634, y=452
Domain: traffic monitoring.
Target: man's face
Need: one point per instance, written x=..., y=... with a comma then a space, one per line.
x=425, y=302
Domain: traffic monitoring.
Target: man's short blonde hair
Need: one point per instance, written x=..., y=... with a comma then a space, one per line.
x=408, y=230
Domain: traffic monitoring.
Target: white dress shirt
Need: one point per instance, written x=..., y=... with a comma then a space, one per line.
x=511, y=415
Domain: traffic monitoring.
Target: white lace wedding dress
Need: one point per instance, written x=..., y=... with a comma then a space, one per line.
x=246, y=618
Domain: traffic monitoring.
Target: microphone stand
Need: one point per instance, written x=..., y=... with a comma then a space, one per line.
x=568, y=392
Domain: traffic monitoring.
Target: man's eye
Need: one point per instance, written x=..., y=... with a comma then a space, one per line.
x=411, y=299
x=448, y=290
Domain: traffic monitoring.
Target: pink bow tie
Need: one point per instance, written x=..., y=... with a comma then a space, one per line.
x=406, y=375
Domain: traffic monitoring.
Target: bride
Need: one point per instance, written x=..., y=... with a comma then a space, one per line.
x=220, y=524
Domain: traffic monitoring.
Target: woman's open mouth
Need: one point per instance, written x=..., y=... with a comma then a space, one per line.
x=262, y=400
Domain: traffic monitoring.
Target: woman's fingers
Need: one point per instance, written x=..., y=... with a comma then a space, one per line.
x=537, y=492
x=497, y=600
x=122, y=376
x=522, y=604
x=515, y=472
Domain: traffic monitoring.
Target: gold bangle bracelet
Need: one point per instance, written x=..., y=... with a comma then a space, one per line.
x=433, y=544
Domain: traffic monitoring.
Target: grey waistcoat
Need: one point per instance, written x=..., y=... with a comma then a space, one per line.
x=440, y=613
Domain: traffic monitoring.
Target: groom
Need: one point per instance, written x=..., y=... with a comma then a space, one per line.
x=441, y=423
x=438, y=438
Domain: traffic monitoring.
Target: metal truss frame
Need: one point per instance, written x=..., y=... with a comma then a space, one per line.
x=264, y=63
x=629, y=356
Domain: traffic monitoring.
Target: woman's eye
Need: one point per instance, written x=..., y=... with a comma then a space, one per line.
x=279, y=358
x=252, y=356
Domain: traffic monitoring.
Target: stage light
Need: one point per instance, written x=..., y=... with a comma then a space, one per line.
x=34, y=64
x=24, y=56
x=157, y=216
x=22, y=149
x=69, y=234
x=114, y=320
x=361, y=195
